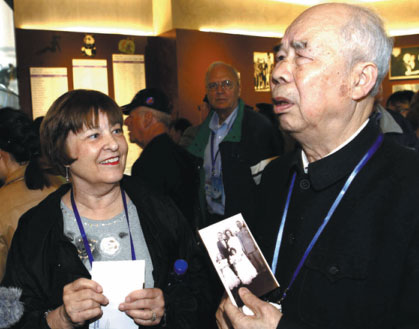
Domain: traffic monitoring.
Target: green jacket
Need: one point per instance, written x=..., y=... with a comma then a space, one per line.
x=250, y=140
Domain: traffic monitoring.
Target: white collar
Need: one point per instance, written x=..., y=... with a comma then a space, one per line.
x=304, y=156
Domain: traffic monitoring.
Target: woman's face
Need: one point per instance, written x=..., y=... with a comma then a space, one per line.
x=228, y=233
x=100, y=153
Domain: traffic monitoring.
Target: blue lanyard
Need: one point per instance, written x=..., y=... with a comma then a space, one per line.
x=83, y=233
x=332, y=209
x=213, y=158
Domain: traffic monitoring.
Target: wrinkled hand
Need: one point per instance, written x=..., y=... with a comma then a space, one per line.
x=142, y=304
x=82, y=300
x=265, y=315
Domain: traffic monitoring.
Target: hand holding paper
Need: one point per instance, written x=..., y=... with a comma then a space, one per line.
x=119, y=279
x=145, y=306
x=82, y=301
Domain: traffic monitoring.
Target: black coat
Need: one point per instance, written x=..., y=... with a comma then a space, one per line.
x=363, y=272
x=168, y=169
x=42, y=260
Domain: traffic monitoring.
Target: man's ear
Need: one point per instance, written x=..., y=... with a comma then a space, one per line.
x=148, y=119
x=364, y=75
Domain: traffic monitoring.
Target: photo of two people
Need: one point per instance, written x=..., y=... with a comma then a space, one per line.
x=237, y=258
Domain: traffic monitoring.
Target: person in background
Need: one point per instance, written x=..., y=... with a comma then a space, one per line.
x=163, y=165
x=413, y=113
x=399, y=101
x=231, y=140
x=177, y=128
x=337, y=219
x=189, y=134
x=394, y=125
x=26, y=182
x=101, y=215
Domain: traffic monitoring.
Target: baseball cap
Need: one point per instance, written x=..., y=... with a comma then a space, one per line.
x=153, y=98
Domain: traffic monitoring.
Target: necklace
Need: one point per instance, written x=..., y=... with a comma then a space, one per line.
x=83, y=233
x=15, y=180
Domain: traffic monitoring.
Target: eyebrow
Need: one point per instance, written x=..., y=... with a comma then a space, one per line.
x=298, y=45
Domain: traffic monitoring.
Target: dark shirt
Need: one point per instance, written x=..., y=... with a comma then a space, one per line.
x=167, y=168
x=363, y=272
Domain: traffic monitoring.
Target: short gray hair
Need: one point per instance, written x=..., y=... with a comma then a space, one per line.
x=162, y=117
x=366, y=40
x=228, y=66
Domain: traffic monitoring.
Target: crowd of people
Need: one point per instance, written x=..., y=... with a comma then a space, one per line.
x=325, y=178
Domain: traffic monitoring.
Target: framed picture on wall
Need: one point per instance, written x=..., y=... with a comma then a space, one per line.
x=407, y=86
x=263, y=65
x=404, y=63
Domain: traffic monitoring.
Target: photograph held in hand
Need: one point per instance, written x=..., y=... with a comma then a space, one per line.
x=237, y=258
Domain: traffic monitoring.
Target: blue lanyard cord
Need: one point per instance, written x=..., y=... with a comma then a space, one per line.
x=124, y=201
x=332, y=209
x=213, y=158
x=281, y=228
x=83, y=233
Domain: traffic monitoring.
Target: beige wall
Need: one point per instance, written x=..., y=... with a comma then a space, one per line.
x=107, y=16
x=153, y=17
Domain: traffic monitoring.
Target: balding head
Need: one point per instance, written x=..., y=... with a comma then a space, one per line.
x=363, y=33
x=330, y=63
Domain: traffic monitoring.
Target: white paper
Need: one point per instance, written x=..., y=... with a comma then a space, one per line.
x=47, y=84
x=118, y=279
x=128, y=76
x=90, y=74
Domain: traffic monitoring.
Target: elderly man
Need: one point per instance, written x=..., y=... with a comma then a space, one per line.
x=231, y=143
x=336, y=220
x=163, y=165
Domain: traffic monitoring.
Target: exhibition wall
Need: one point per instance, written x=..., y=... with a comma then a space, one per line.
x=175, y=61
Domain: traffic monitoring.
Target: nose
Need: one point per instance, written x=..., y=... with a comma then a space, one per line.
x=127, y=120
x=111, y=142
x=220, y=88
x=282, y=72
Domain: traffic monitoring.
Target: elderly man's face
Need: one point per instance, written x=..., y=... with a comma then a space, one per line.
x=135, y=124
x=310, y=80
x=223, y=98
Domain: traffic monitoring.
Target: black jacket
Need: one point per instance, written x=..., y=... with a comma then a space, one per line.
x=169, y=169
x=363, y=272
x=42, y=260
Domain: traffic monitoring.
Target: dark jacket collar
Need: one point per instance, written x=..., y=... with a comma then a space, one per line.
x=329, y=170
x=162, y=138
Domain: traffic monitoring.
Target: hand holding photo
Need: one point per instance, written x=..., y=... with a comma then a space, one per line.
x=237, y=258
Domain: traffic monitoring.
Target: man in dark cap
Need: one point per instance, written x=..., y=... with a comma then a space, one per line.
x=163, y=165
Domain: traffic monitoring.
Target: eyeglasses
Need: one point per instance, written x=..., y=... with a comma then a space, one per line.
x=225, y=84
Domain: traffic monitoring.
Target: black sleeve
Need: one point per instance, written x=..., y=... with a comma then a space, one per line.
x=188, y=299
x=20, y=273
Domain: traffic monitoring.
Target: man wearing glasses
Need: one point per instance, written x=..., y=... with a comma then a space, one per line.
x=231, y=144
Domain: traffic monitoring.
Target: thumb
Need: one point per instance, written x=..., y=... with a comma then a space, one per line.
x=251, y=301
